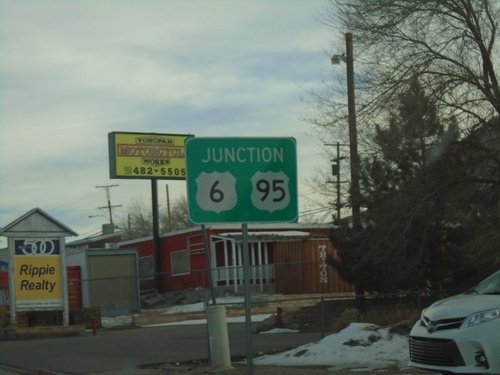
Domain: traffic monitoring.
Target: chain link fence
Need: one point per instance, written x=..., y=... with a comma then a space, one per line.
x=139, y=299
x=331, y=313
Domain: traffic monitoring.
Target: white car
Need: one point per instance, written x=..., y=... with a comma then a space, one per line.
x=460, y=334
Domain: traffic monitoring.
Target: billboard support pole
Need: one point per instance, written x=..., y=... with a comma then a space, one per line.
x=156, y=233
x=12, y=283
x=64, y=283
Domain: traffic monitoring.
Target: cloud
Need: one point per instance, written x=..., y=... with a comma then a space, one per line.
x=71, y=72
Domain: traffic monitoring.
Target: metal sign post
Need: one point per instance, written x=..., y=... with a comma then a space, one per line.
x=248, y=312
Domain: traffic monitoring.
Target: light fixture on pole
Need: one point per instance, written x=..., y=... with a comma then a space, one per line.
x=353, y=133
x=337, y=59
x=92, y=216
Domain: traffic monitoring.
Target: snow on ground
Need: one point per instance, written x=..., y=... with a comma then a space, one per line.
x=199, y=306
x=360, y=346
x=236, y=319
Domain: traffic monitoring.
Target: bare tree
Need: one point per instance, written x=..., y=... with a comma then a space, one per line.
x=178, y=216
x=451, y=46
x=139, y=218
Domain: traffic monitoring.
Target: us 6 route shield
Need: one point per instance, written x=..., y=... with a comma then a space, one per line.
x=241, y=180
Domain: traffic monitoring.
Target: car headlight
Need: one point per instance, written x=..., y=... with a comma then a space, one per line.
x=480, y=317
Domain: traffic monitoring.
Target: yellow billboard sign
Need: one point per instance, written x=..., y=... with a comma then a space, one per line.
x=37, y=272
x=147, y=155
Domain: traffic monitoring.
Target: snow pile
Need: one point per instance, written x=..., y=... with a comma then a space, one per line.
x=360, y=346
x=117, y=321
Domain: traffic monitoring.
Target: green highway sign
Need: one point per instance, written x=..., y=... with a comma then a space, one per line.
x=241, y=180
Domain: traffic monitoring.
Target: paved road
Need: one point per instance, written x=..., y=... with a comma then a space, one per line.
x=123, y=351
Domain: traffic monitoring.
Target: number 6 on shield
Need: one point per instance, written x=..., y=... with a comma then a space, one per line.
x=216, y=191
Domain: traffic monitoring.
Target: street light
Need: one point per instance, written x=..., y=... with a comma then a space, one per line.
x=337, y=59
x=353, y=133
x=92, y=216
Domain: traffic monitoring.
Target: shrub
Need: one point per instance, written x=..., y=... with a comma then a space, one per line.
x=347, y=317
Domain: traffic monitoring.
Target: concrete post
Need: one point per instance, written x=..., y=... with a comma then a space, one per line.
x=218, y=337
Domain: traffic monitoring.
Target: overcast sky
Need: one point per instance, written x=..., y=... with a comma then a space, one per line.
x=73, y=71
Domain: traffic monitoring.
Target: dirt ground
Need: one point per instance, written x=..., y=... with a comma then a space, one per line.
x=241, y=369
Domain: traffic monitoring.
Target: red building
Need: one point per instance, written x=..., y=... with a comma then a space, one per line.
x=284, y=258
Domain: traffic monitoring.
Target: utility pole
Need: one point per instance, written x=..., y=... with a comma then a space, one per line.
x=109, y=206
x=353, y=132
x=353, y=136
x=353, y=146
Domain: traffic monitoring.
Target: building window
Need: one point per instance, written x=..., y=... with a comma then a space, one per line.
x=195, y=244
x=180, y=263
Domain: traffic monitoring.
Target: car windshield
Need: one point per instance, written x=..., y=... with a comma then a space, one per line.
x=490, y=285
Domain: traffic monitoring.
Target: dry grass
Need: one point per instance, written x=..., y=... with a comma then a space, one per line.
x=347, y=317
x=386, y=316
x=392, y=315
x=4, y=317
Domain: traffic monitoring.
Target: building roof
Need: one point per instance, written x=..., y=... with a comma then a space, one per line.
x=268, y=235
x=96, y=238
x=253, y=228
x=37, y=221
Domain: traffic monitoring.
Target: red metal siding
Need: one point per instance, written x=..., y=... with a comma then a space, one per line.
x=144, y=249
x=4, y=279
x=300, y=268
x=74, y=287
x=198, y=276
x=297, y=264
x=4, y=288
x=288, y=278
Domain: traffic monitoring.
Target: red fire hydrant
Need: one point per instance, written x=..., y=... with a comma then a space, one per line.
x=94, y=326
x=279, y=313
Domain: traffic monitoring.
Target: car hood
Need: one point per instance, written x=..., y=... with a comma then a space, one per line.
x=461, y=306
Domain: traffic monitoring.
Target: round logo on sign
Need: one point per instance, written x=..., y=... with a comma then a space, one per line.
x=38, y=247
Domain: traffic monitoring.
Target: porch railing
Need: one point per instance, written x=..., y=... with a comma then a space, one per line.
x=259, y=274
